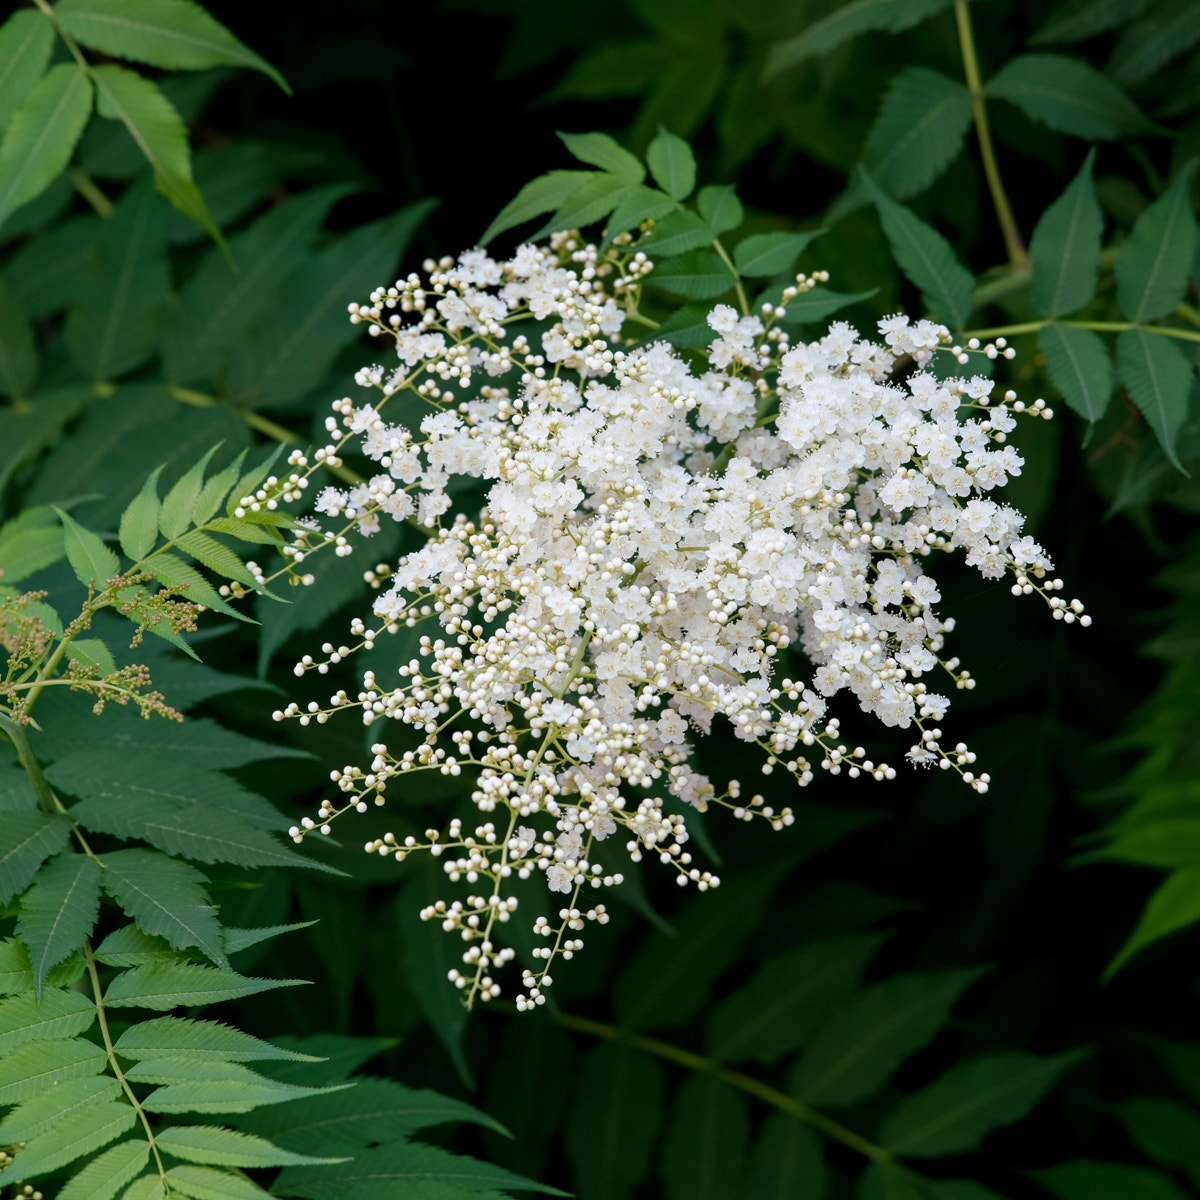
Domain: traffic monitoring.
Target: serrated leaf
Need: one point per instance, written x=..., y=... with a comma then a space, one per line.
x=1065, y=248
x=859, y=16
x=1175, y=905
x=148, y=1187
x=29, y=838
x=176, y=512
x=541, y=195
x=1091, y=1179
x=91, y=560
x=204, y=1183
x=1159, y=377
x=698, y=275
x=776, y=1011
x=249, y=482
x=29, y=551
x=1068, y=95
x=86, y=1129
x=216, y=557
x=56, y=1014
x=1171, y=841
x=956, y=1112
x=687, y=326
x=59, y=911
x=42, y=134
x=592, y=202
x=214, y=491
x=130, y=947
x=54, y=1101
x=176, y=35
x=207, y=1087
x=92, y=652
x=1080, y=367
x=771, y=253
x=600, y=150
x=815, y=305
x=165, y=898
x=672, y=164
x=642, y=204
x=676, y=233
x=214, y=1146
x=1152, y=267
x=177, y=1037
x=1081, y=19
x=926, y=258
x=30, y=1070
x=243, y=939
x=184, y=984
x=856, y=1050
x=139, y=522
x=705, y=1141
x=786, y=1163
x=19, y=362
x=16, y=972
x=720, y=207
x=1167, y=30
x=171, y=570
x=26, y=40
x=108, y=1173
x=43, y=272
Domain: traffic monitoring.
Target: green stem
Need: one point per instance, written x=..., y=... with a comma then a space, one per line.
x=743, y=302
x=637, y=316
x=1017, y=254
x=85, y=185
x=1186, y=335
x=745, y=1083
x=47, y=800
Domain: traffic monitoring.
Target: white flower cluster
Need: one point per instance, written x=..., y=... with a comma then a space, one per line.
x=657, y=533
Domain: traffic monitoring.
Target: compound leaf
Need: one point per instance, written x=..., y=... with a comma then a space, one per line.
x=30, y=837
x=59, y=911
x=86, y=1129
x=182, y=1037
x=91, y=560
x=1159, y=378
x=1152, y=267
x=56, y=1014
x=106, y=1174
x=178, y=985
x=599, y=150
x=214, y=1146
x=139, y=522
x=1079, y=366
x=1066, y=248
x=541, y=195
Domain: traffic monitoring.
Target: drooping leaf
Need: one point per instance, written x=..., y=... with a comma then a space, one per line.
x=599, y=150
x=1159, y=379
x=139, y=522
x=29, y=838
x=19, y=362
x=1093, y=1179
x=541, y=195
x=181, y=1037
x=108, y=1173
x=705, y=1141
x=1152, y=267
x=1169, y=29
x=59, y=911
x=954, y=1113
x=57, y=1099
x=214, y=1146
x=698, y=275
x=1080, y=367
x=786, y=1162
x=184, y=984
x=613, y=1127
x=1174, y=905
x=85, y=1130
x=176, y=35
x=672, y=164
x=42, y=135
x=26, y=40
x=1065, y=248
x=1068, y=95
x=771, y=253
x=57, y=1013
x=205, y=1183
x=30, y=1070
x=926, y=258
x=859, y=1046
x=720, y=207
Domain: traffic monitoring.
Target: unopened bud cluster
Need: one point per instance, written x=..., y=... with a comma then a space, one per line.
x=660, y=534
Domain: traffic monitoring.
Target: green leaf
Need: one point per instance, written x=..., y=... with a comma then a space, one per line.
x=92, y=652
x=184, y=984
x=1167, y=30
x=26, y=40
x=642, y=204
x=85, y=1130
x=1068, y=95
x=175, y=515
x=1152, y=267
x=1159, y=377
x=29, y=838
x=672, y=164
x=857, y=1048
x=139, y=522
x=1080, y=367
x=614, y=1125
x=42, y=135
x=720, y=207
x=1175, y=905
x=148, y=1187
x=165, y=898
x=859, y=16
x=214, y=491
x=59, y=911
x=1091, y=1179
x=214, y=1146
x=541, y=195
x=1076, y=21
x=676, y=233
x=817, y=304
x=687, y=326
x=55, y=1100
x=956, y=1112
x=171, y=570
x=771, y=253
x=204, y=1183
x=591, y=203
x=16, y=973
x=176, y=35
x=179, y=1037
x=1166, y=1132
x=705, y=1140
x=776, y=1011
x=1066, y=248
x=216, y=557
x=786, y=1163
x=91, y=560
x=57, y=1014
x=19, y=363
x=31, y=1070
x=243, y=939
x=599, y=150
x=246, y=486
x=43, y=272
x=926, y=258
x=105, y=1175
x=698, y=275
x=1166, y=843
x=130, y=947
x=207, y=1087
